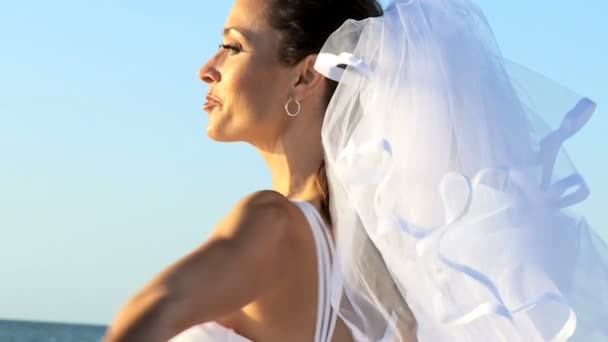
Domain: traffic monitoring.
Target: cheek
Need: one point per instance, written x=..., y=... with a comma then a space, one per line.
x=254, y=95
x=260, y=96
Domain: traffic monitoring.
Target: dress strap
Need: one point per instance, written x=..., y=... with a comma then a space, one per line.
x=326, y=315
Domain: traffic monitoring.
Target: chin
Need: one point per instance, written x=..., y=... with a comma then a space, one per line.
x=220, y=135
x=219, y=127
x=214, y=135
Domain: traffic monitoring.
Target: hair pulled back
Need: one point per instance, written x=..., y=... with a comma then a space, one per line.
x=305, y=25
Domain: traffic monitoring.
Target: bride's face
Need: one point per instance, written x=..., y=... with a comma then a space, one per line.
x=248, y=87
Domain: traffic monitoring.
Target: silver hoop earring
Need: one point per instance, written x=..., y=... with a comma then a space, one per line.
x=287, y=107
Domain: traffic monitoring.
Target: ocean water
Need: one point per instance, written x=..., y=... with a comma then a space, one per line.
x=24, y=331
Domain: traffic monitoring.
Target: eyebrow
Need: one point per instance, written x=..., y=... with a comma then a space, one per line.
x=227, y=30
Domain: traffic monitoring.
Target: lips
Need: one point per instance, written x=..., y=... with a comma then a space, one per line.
x=212, y=102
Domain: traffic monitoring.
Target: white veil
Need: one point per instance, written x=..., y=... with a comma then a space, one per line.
x=449, y=187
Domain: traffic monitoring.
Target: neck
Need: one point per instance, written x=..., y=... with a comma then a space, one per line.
x=294, y=160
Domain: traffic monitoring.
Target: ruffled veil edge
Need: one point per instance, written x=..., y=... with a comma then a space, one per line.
x=450, y=189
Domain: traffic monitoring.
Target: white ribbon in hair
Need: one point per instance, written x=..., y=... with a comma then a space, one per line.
x=329, y=65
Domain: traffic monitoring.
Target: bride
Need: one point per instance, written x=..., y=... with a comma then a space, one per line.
x=420, y=191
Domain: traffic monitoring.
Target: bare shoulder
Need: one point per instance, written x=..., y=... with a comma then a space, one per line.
x=248, y=254
x=263, y=216
x=266, y=200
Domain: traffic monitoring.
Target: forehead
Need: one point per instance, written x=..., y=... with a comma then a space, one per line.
x=249, y=19
x=248, y=14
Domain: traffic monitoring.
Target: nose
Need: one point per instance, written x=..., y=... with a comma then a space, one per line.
x=209, y=73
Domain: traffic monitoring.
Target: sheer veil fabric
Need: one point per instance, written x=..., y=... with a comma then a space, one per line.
x=450, y=187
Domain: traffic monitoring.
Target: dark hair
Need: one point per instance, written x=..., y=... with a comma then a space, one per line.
x=305, y=25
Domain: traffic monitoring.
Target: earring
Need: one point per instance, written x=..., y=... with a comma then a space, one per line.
x=287, y=107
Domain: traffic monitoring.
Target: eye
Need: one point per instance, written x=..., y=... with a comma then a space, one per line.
x=232, y=48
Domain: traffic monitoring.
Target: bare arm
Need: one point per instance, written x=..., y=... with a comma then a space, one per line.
x=243, y=258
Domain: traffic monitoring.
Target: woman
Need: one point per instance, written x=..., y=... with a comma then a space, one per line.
x=261, y=260
x=446, y=206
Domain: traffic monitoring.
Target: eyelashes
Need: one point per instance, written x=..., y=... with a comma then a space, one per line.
x=231, y=48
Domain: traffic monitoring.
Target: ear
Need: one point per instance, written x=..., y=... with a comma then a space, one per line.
x=309, y=82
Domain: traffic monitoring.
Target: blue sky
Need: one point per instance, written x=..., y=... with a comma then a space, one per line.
x=106, y=173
